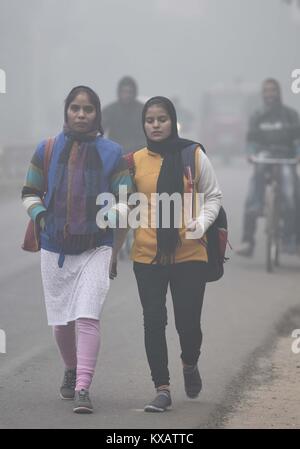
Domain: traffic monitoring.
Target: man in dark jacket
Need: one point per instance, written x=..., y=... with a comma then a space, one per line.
x=274, y=130
x=122, y=120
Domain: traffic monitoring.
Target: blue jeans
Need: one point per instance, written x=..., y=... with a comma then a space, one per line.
x=255, y=201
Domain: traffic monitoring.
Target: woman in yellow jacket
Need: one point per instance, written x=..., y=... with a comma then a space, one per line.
x=166, y=256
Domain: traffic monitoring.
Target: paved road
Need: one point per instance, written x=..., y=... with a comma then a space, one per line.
x=239, y=314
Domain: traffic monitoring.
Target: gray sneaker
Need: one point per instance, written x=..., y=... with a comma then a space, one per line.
x=82, y=402
x=67, y=390
x=161, y=403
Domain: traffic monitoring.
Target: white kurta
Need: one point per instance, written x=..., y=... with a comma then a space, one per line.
x=79, y=288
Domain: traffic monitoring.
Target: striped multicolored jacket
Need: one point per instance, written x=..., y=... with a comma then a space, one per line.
x=114, y=174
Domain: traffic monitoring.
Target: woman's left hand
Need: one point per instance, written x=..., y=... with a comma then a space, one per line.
x=113, y=268
x=195, y=228
x=191, y=225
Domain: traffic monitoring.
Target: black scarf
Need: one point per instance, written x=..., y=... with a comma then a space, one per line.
x=170, y=180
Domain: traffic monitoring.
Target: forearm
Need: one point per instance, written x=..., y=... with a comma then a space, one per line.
x=297, y=149
x=33, y=189
x=33, y=204
x=116, y=217
x=251, y=148
x=119, y=238
x=210, y=195
x=210, y=210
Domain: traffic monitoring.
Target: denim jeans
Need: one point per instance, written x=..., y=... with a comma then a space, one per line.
x=187, y=290
x=255, y=201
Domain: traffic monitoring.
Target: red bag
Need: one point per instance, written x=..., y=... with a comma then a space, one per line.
x=32, y=235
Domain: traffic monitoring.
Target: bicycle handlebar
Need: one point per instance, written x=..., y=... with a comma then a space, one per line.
x=274, y=161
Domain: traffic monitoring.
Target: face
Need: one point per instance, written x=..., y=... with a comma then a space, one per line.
x=126, y=94
x=158, y=125
x=81, y=113
x=270, y=94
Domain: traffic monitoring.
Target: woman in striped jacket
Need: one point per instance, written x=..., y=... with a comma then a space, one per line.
x=75, y=253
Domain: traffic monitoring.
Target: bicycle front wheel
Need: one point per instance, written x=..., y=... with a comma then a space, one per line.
x=271, y=224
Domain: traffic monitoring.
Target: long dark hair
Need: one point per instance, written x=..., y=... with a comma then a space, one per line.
x=94, y=99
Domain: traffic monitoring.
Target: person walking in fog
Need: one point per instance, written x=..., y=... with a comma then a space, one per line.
x=122, y=123
x=122, y=119
x=75, y=254
x=166, y=256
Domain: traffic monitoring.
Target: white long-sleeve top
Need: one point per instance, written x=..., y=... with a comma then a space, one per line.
x=210, y=194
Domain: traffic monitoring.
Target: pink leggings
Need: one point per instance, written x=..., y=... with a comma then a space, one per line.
x=83, y=355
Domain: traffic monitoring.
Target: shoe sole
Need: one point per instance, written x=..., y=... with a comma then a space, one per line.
x=194, y=396
x=66, y=399
x=82, y=410
x=153, y=409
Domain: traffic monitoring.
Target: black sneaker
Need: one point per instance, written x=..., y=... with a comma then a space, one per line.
x=67, y=390
x=192, y=381
x=161, y=403
x=82, y=402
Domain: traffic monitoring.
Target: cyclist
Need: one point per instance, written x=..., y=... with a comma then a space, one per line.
x=274, y=130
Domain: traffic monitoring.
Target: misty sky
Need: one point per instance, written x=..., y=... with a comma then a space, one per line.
x=171, y=47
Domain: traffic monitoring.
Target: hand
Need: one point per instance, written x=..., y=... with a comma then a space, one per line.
x=113, y=268
x=194, y=229
x=191, y=225
x=42, y=223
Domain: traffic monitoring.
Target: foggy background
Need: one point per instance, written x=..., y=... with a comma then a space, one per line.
x=170, y=47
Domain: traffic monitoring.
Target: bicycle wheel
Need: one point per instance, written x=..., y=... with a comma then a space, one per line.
x=277, y=239
x=276, y=226
x=270, y=227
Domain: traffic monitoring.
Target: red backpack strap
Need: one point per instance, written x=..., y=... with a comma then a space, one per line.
x=188, y=159
x=47, y=158
x=189, y=163
x=129, y=158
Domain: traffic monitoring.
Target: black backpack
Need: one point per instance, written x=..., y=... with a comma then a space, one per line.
x=217, y=233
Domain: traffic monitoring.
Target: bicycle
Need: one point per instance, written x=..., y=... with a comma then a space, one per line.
x=272, y=206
